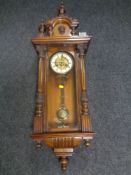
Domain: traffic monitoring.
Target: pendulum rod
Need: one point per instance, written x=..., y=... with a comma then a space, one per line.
x=62, y=94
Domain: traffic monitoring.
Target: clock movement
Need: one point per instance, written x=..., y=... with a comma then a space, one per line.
x=62, y=120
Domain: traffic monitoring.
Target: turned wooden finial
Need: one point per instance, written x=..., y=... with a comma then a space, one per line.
x=41, y=29
x=87, y=142
x=64, y=162
x=61, y=9
x=38, y=145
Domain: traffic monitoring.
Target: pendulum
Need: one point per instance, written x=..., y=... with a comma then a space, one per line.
x=62, y=112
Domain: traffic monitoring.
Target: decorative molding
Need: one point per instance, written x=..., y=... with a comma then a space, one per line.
x=41, y=50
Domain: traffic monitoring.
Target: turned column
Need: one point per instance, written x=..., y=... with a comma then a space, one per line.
x=85, y=116
x=39, y=108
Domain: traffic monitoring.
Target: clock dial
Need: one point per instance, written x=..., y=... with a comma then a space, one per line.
x=61, y=62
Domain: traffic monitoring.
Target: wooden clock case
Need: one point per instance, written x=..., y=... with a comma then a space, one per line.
x=59, y=34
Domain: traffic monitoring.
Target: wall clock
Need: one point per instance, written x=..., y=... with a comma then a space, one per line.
x=62, y=119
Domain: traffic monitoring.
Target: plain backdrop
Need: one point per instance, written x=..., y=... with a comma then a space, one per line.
x=109, y=87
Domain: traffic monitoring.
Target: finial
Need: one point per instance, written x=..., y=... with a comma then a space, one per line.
x=64, y=162
x=41, y=29
x=61, y=9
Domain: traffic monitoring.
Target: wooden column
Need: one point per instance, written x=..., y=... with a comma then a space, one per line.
x=85, y=117
x=39, y=108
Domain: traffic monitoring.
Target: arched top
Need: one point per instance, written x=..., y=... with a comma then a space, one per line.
x=60, y=30
x=60, y=25
x=60, y=20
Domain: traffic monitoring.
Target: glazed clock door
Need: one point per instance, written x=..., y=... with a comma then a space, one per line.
x=61, y=92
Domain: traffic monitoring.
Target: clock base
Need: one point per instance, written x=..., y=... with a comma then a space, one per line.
x=63, y=144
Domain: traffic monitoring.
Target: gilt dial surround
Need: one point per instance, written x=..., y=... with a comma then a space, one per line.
x=61, y=62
